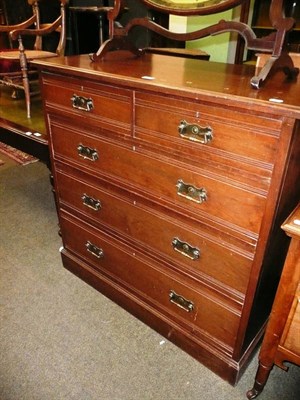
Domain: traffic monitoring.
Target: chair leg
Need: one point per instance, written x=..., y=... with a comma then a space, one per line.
x=24, y=69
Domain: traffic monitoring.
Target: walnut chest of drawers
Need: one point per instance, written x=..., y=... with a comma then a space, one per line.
x=172, y=178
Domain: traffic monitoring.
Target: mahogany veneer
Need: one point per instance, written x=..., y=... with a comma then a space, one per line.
x=173, y=177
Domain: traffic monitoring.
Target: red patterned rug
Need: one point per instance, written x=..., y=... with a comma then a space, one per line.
x=17, y=155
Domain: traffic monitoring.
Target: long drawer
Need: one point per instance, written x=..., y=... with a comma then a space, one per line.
x=187, y=248
x=185, y=302
x=191, y=189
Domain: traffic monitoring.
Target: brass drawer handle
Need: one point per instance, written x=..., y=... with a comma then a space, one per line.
x=91, y=202
x=87, y=153
x=94, y=250
x=185, y=249
x=195, y=133
x=199, y=195
x=82, y=103
x=181, y=302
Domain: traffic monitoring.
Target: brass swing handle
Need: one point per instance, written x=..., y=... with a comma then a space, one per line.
x=191, y=192
x=195, y=133
x=185, y=249
x=180, y=301
x=87, y=152
x=90, y=202
x=94, y=250
x=82, y=103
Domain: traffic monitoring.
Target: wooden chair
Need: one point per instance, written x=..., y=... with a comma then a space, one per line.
x=15, y=69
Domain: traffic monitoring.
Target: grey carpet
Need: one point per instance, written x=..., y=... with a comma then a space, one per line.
x=61, y=339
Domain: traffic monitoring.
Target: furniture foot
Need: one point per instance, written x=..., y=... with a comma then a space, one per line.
x=284, y=62
x=257, y=80
x=255, y=391
x=261, y=378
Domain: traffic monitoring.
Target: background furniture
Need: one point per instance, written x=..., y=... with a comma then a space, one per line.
x=256, y=14
x=3, y=40
x=178, y=52
x=15, y=69
x=173, y=177
x=16, y=129
x=26, y=134
x=18, y=11
x=88, y=24
x=14, y=13
x=262, y=26
x=274, y=44
x=282, y=339
x=261, y=59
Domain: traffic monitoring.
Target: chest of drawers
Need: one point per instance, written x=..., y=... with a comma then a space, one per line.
x=172, y=178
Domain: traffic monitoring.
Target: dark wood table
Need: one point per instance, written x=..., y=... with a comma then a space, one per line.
x=26, y=134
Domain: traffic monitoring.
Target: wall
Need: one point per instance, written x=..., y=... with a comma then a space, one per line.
x=220, y=47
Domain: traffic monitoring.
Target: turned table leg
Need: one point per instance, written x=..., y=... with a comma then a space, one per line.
x=261, y=378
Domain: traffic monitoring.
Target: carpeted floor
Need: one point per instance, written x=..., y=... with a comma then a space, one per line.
x=62, y=340
x=6, y=162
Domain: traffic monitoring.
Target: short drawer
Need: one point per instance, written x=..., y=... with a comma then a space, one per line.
x=187, y=248
x=89, y=101
x=192, y=190
x=185, y=302
x=192, y=127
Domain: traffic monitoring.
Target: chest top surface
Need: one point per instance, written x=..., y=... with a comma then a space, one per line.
x=194, y=79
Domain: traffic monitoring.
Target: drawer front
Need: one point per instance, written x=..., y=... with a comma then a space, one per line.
x=192, y=126
x=187, y=248
x=191, y=190
x=182, y=301
x=89, y=101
